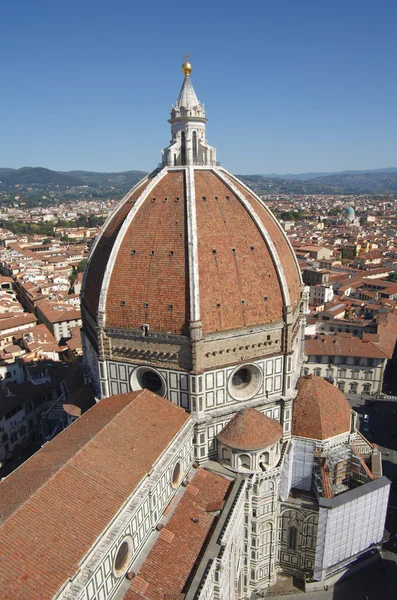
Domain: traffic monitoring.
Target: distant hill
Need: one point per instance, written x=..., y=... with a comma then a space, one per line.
x=91, y=178
x=28, y=176
x=361, y=182
x=373, y=182
x=309, y=176
x=37, y=180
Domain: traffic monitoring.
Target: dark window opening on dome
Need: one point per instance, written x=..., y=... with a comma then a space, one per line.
x=122, y=303
x=252, y=248
x=233, y=249
x=133, y=252
x=204, y=198
x=242, y=301
x=171, y=253
x=213, y=251
x=170, y=306
x=266, y=298
x=146, y=305
x=241, y=378
x=152, y=252
x=151, y=381
x=177, y=199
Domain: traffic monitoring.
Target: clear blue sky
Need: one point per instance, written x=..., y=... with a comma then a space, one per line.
x=289, y=86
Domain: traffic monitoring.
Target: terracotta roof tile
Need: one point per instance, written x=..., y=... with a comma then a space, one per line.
x=320, y=411
x=239, y=280
x=168, y=567
x=98, y=260
x=250, y=429
x=58, y=502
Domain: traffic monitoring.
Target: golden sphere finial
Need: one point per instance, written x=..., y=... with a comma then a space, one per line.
x=186, y=67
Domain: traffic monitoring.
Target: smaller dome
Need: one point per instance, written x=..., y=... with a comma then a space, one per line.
x=320, y=410
x=249, y=429
x=349, y=210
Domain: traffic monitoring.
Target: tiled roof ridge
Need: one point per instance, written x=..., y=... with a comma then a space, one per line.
x=73, y=454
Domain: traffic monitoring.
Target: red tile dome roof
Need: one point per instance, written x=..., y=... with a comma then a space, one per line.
x=190, y=244
x=320, y=410
x=250, y=429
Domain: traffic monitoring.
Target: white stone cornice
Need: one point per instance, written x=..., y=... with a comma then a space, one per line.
x=220, y=173
x=192, y=247
x=116, y=246
x=104, y=226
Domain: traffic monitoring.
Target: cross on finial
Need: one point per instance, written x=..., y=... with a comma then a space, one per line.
x=186, y=56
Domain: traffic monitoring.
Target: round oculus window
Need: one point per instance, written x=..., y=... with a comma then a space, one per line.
x=122, y=557
x=245, y=382
x=145, y=378
x=176, y=475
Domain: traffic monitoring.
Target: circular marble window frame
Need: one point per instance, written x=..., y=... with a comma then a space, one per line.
x=123, y=569
x=253, y=386
x=136, y=380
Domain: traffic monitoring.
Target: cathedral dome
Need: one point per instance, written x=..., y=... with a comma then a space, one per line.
x=250, y=429
x=320, y=410
x=191, y=244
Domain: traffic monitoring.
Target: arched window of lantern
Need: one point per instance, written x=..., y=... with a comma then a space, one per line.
x=194, y=142
x=183, y=148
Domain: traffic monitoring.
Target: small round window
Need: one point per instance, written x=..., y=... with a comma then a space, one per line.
x=122, y=557
x=245, y=382
x=145, y=378
x=176, y=475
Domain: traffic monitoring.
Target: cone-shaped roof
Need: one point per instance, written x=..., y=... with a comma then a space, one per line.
x=249, y=429
x=187, y=96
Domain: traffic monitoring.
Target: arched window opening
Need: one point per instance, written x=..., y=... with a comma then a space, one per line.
x=226, y=455
x=245, y=461
x=194, y=141
x=292, y=537
x=183, y=148
x=174, y=160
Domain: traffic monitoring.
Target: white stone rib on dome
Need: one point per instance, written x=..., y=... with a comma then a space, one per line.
x=109, y=218
x=271, y=215
x=117, y=244
x=264, y=233
x=192, y=245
